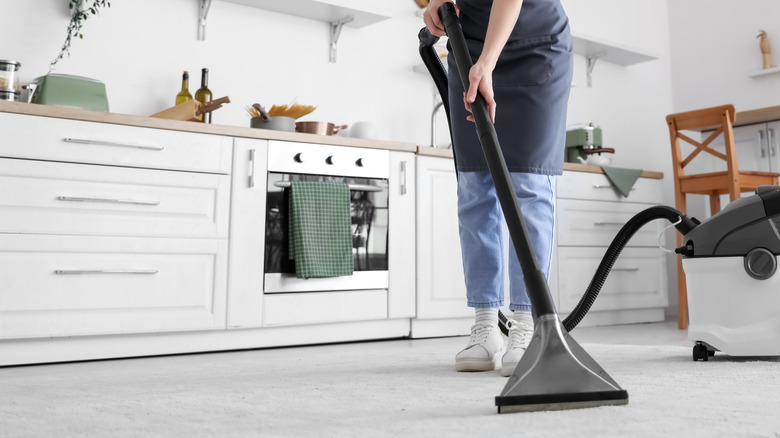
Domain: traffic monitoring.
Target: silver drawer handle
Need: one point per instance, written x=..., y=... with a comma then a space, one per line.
x=251, y=168
x=602, y=186
x=626, y=269
x=105, y=271
x=111, y=143
x=354, y=187
x=604, y=223
x=403, y=177
x=106, y=200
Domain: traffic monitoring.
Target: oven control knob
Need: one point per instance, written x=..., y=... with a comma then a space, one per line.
x=329, y=160
x=359, y=162
x=298, y=157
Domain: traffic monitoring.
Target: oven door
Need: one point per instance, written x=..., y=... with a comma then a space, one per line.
x=365, y=171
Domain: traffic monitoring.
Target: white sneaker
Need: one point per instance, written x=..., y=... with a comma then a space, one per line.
x=520, y=335
x=485, y=346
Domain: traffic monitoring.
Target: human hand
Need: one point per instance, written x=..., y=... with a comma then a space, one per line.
x=480, y=79
x=432, y=20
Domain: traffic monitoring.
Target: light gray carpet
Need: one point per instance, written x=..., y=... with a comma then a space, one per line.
x=394, y=388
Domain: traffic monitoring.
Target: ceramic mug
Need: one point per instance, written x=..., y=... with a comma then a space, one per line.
x=363, y=130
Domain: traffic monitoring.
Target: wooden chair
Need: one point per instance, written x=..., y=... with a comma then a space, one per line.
x=732, y=181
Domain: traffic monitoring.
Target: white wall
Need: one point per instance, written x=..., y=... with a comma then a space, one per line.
x=715, y=49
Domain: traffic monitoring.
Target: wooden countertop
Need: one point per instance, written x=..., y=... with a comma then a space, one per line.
x=750, y=117
x=759, y=115
x=176, y=125
x=571, y=167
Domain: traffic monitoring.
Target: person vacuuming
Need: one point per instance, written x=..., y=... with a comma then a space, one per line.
x=523, y=68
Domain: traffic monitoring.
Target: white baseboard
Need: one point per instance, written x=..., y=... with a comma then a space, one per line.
x=68, y=349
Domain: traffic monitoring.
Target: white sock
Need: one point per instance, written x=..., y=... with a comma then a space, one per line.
x=487, y=314
x=523, y=316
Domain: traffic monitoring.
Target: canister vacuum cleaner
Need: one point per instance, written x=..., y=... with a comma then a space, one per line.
x=730, y=261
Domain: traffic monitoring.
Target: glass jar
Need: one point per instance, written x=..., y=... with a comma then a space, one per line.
x=9, y=75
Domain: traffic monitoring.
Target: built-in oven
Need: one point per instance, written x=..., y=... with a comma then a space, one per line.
x=366, y=172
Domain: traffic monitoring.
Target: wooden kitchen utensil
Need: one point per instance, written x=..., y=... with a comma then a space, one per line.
x=191, y=110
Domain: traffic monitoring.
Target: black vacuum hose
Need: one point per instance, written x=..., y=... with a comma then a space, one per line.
x=435, y=67
x=633, y=225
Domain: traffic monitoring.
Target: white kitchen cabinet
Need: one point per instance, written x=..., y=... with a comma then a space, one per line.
x=110, y=229
x=65, y=285
x=247, y=235
x=757, y=146
x=590, y=212
x=441, y=289
x=401, y=244
x=69, y=198
x=76, y=141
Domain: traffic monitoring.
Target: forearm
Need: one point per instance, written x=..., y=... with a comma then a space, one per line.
x=503, y=17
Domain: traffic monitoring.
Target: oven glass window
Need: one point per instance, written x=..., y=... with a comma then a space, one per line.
x=368, y=210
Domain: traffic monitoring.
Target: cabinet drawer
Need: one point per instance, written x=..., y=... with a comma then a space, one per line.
x=636, y=281
x=47, y=138
x=596, y=223
x=71, y=285
x=65, y=198
x=596, y=186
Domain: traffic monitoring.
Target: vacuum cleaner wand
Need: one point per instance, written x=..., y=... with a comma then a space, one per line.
x=555, y=372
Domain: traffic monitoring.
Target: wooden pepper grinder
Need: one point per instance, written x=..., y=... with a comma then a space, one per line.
x=766, y=49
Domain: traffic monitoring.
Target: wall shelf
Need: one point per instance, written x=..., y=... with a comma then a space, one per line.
x=764, y=72
x=338, y=13
x=328, y=11
x=594, y=49
x=615, y=53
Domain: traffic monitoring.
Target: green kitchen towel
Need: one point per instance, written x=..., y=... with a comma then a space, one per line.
x=320, y=229
x=622, y=179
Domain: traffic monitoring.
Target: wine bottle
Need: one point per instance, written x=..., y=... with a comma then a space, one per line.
x=184, y=95
x=203, y=95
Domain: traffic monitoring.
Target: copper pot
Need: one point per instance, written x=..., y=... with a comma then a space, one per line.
x=319, y=128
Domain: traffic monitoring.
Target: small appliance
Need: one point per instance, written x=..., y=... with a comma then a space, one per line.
x=69, y=91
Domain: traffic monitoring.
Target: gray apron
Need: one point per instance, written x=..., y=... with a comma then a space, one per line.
x=531, y=84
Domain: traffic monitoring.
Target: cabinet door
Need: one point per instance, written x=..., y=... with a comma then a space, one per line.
x=750, y=142
x=49, y=138
x=401, y=235
x=54, y=285
x=247, y=233
x=48, y=197
x=637, y=280
x=441, y=289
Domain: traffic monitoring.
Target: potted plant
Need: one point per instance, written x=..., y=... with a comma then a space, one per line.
x=80, y=11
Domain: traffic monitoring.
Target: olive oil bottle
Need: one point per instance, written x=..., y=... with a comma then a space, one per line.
x=184, y=95
x=203, y=95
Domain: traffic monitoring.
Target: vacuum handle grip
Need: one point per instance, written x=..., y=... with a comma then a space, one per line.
x=451, y=22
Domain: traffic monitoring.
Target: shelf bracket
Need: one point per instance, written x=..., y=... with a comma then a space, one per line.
x=591, y=62
x=204, y=12
x=335, y=32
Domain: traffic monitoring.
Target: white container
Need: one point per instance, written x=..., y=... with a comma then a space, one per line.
x=731, y=311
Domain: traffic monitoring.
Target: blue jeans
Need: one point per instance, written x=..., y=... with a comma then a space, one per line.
x=482, y=235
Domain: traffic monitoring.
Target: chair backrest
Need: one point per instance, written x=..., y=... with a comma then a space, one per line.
x=719, y=118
